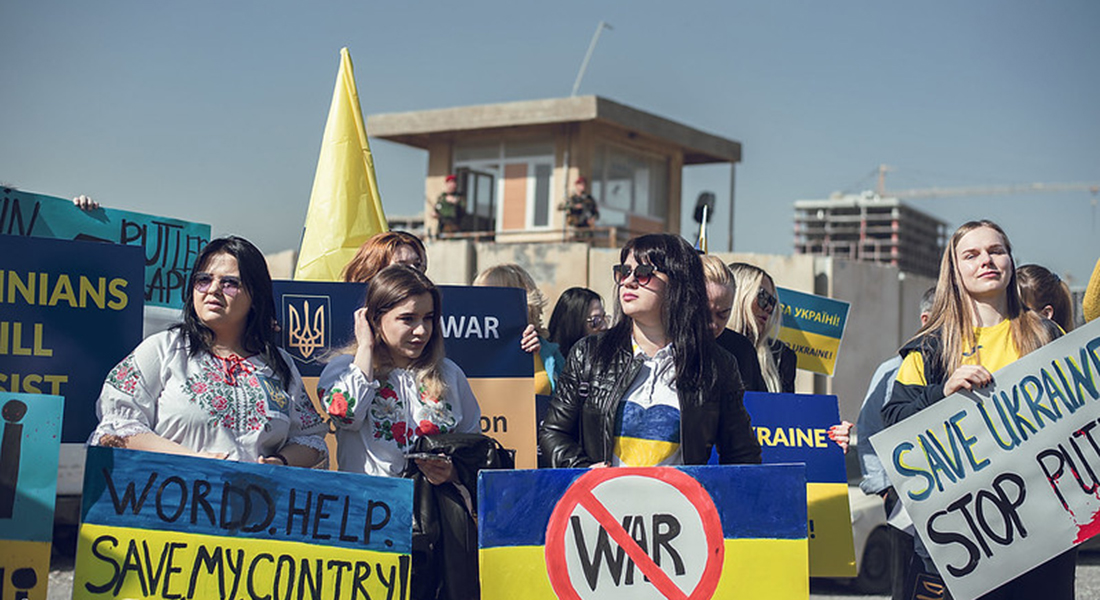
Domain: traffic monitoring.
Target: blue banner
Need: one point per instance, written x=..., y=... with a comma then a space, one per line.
x=170, y=246
x=795, y=428
x=69, y=312
x=481, y=326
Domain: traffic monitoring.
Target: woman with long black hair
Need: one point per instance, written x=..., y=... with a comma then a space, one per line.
x=655, y=389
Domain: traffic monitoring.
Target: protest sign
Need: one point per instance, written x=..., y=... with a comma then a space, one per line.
x=30, y=439
x=166, y=526
x=69, y=312
x=481, y=329
x=812, y=327
x=651, y=532
x=170, y=246
x=795, y=428
x=1002, y=479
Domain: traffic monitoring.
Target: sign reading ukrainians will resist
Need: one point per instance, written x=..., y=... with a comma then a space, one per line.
x=652, y=532
x=1001, y=480
x=793, y=428
x=69, y=312
x=482, y=327
x=165, y=526
x=812, y=327
x=170, y=245
x=30, y=439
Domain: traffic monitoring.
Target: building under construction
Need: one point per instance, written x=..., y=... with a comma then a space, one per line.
x=871, y=228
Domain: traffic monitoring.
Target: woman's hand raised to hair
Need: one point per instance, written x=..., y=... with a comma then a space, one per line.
x=967, y=377
x=364, y=339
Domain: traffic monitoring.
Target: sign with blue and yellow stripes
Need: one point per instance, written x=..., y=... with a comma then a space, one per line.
x=648, y=532
x=812, y=327
x=165, y=526
x=794, y=428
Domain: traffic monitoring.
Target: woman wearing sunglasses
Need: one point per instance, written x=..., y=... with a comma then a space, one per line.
x=756, y=315
x=655, y=389
x=578, y=313
x=216, y=385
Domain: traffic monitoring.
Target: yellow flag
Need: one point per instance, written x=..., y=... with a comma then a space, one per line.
x=345, y=208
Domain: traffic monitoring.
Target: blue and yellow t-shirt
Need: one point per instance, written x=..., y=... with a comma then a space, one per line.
x=647, y=425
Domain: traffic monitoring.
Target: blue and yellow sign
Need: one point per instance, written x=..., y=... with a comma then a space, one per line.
x=69, y=312
x=685, y=532
x=795, y=428
x=166, y=526
x=482, y=327
x=30, y=439
x=812, y=327
x=170, y=246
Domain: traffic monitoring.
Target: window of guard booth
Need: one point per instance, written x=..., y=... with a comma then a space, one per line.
x=490, y=159
x=626, y=181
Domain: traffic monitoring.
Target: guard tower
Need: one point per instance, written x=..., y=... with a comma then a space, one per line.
x=517, y=163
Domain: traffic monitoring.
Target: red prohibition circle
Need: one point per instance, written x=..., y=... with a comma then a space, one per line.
x=581, y=490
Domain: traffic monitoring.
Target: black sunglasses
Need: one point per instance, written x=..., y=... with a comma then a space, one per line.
x=642, y=273
x=766, y=301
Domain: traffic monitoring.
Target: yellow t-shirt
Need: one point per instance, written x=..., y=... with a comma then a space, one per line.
x=993, y=349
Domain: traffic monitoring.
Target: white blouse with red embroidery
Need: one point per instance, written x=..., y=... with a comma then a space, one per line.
x=377, y=422
x=207, y=403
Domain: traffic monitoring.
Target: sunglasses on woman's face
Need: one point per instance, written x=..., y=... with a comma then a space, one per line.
x=596, y=321
x=766, y=301
x=229, y=285
x=642, y=273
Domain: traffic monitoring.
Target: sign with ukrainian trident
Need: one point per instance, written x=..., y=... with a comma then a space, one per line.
x=813, y=327
x=649, y=532
x=308, y=323
x=30, y=441
x=167, y=526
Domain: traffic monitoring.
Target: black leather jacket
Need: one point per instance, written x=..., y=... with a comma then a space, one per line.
x=579, y=428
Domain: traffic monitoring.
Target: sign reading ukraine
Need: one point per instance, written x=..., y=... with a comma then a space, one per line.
x=812, y=327
x=644, y=532
x=170, y=245
x=482, y=327
x=30, y=440
x=166, y=526
x=794, y=428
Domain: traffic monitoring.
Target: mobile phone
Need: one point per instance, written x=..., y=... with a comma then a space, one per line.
x=428, y=456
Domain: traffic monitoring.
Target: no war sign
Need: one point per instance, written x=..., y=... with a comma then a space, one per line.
x=653, y=532
x=1000, y=480
x=165, y=526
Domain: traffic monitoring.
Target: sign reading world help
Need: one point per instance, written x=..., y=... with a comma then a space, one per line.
x=1001, y=480
x=165, y=526
x=812, y=327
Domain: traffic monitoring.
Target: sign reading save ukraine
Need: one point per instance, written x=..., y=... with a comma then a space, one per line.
x=812, y=327
x=166, y=526
x=644, y=532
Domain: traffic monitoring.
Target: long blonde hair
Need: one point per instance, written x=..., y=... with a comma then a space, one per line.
x=953, y=309
x=514, y=276
x=749, y=279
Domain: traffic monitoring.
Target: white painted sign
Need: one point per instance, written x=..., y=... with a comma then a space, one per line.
x=1001, y=480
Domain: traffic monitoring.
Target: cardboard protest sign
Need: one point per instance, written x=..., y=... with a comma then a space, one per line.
x=652, y=532
x=30, y=439
x=166, y=526
x=170, y=246
x=69, y=312
x=794, y=428
x=1001, y=480
x=481, y=326
x=812, y=327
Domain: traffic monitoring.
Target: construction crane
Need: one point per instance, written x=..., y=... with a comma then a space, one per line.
x=988, y=190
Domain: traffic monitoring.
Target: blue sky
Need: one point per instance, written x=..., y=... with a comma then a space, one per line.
x=213, y=111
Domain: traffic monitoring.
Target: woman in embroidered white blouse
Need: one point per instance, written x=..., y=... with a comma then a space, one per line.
x=393, y=385
x=216, y=385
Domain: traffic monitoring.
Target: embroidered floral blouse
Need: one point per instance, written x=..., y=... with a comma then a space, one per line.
x=206, y=403
x=377, y=422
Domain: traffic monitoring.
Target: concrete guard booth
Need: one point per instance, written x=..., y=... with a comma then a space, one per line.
x=516, y=164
